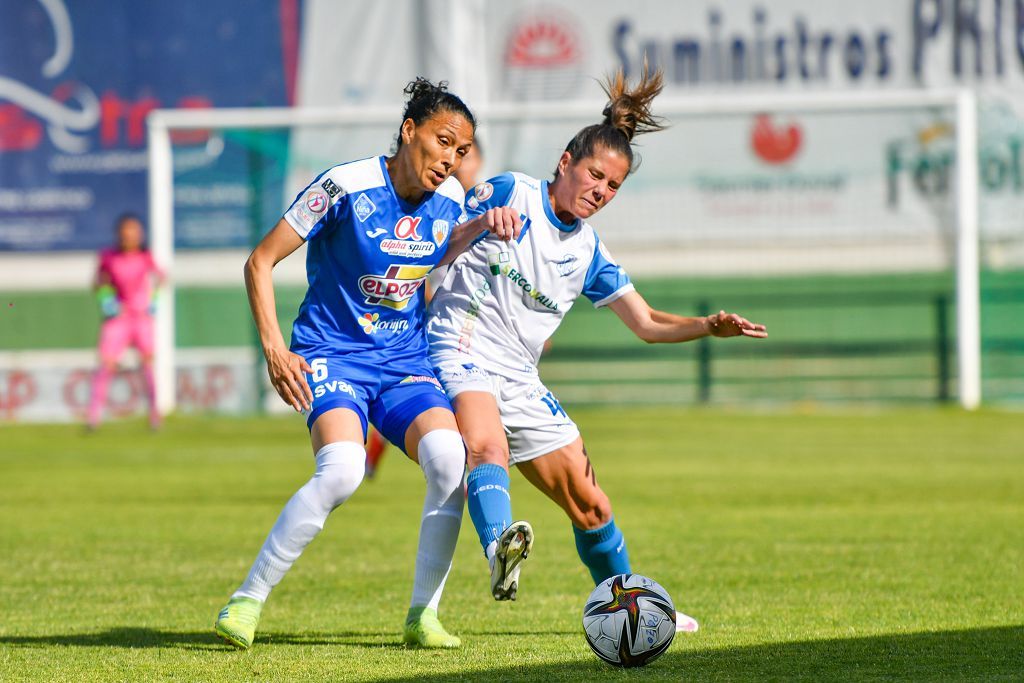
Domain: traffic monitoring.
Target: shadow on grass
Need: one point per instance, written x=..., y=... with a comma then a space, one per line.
x=989, y=654
x=132, y=637
x=983, y=654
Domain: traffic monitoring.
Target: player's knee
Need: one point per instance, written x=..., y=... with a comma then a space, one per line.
x=486, y=452
x=442, y=457
x=339, y=471
x=592, y=511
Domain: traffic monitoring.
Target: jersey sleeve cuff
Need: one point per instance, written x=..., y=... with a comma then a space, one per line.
x=302, y=230
x=621, y=291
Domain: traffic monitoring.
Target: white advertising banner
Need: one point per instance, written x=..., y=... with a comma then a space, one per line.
x=551, y=49
x=55, y=386
x=856, y=190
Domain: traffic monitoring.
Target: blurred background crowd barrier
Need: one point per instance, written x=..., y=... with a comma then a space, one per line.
x=808, y=180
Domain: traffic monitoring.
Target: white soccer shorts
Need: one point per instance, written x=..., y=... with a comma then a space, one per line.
x=535, y=423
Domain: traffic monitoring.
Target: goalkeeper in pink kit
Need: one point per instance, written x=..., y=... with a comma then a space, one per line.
x=125, y=288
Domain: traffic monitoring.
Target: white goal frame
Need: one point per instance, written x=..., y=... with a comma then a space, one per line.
x=963, y=102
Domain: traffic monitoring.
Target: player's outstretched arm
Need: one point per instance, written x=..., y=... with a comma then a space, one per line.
x=502, y=221
x=284, y=367
x=654, y=326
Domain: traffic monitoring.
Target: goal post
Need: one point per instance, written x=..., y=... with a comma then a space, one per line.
x=502, y=127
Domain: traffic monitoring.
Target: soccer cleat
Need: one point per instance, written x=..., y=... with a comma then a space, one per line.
x=686, y=624
x=422, y=629
x=236, y=623
x=514, y=546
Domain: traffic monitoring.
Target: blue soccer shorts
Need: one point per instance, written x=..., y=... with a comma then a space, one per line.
x=387, y=392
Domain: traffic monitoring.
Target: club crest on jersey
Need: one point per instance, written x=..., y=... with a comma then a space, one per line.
x=363, y=207
x=440, y=231
x=316, y=202
x=483, y=192
x=394, y=288
x=568, y=264
x=407, y=228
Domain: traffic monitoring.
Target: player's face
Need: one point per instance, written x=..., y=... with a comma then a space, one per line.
x=129, y=235
x=435, y=148
x=470, y=169
x=585, y=186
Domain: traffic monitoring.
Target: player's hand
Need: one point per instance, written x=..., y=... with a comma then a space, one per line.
x=724, y=324
x=287, y=372
x=502, y=221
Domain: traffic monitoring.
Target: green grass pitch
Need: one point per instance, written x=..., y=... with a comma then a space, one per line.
x=817, y=546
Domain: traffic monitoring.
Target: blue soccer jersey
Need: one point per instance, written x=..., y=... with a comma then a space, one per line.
x=369, y=253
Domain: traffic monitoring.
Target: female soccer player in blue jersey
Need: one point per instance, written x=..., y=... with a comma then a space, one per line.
x=499, y=303
x=374, y=229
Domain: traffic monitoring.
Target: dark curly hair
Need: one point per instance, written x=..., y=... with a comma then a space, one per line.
x=427, y=99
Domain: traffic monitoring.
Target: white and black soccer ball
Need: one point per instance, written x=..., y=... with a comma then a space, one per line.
x=629, y=620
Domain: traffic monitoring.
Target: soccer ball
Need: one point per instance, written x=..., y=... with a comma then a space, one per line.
x=629, y=620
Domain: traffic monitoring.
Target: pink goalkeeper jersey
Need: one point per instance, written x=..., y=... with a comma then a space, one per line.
x=130, y=273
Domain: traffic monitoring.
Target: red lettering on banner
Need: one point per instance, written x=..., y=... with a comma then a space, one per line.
x=20, y=390
x=124, y=395
x=18, y=131
x=208, y=389
x=192, y=137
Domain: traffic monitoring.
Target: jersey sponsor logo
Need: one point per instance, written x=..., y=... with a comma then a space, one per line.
x=469, y=322
x=371, y=324
x=407, y=228
x=330, y=188
x=440, y=231
x=568, y=264
x=363, y=207
x=394, y=288
x=416, y=379
x=407, y=249
x=316, y=202
x=333, y=386
x=500, y=264
x=483, y=192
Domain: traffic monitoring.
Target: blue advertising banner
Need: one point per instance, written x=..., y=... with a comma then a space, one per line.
x=77, y=80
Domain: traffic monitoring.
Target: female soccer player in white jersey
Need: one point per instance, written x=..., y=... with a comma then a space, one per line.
x=500, y=301
x=374, y=229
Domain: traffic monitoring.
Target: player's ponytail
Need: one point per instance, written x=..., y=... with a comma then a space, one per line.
x=627, y=114
x=427, y=99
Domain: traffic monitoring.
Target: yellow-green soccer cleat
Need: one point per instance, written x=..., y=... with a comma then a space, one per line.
x=422, y=629
x=236, y=623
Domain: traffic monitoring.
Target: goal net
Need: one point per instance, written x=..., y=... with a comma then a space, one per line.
x=845, y=222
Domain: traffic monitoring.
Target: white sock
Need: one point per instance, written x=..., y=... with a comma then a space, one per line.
x=443, y=460
x=491, y=550
x=339, y=471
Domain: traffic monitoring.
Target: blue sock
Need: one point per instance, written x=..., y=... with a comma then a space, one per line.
x=603, y=550
x=490, y=505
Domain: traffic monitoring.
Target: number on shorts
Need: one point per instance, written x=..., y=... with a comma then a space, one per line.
x=319, y=366
x=552, y=403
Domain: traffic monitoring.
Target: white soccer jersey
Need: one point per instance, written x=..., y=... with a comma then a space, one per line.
x=501, y=300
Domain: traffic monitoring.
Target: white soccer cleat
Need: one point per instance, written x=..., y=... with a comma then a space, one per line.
x=514, y=545
x=686, y=624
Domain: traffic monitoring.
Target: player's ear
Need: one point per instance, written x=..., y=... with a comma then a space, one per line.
x=563, y=162
x=408, y=131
